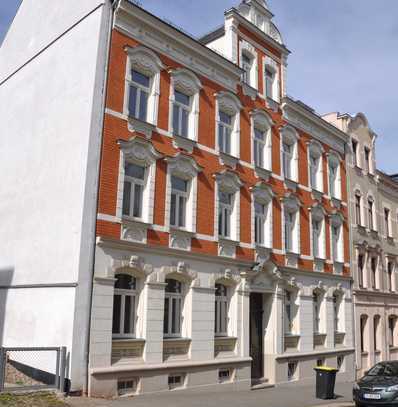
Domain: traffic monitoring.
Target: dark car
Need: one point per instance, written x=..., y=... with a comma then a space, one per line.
x=379, y=386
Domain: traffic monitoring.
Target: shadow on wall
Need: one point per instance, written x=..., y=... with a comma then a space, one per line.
x=6, y=275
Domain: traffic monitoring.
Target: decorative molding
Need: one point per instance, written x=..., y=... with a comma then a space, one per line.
x=180, y=239
x=139, y=150
x=181, y=272
x=144, y=59
x=228, y=102
x=185, y=81
x=183, y=166
x=228, y=181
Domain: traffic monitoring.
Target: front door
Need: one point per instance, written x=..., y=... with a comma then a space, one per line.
x=256, y=335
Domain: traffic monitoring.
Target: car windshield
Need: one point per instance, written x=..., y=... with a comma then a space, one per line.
x=384, y=369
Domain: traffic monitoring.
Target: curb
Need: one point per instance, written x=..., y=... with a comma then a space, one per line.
x=338, y=404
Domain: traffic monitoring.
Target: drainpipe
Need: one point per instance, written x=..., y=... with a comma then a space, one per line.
x=114, y=5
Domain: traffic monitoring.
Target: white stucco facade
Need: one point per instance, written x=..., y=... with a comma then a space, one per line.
x=51, y=89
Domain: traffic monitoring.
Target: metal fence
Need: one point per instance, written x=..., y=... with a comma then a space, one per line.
x=32, y=368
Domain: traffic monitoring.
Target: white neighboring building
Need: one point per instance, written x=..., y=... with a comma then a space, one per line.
x=52, y=73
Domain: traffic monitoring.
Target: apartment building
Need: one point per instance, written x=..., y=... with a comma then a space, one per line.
x=374, y=250
x=222, y=252
x=190, y=222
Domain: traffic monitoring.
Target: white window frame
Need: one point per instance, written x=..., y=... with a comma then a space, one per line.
x=225, y=211
x=358, y=208
x=315, y=176
x=290, y=311
x=316, y=310
x=174, y=314
x=273, y=66
x=390, y=275
x=250, y=52
x=180, y=197
x=221, y=316
x=263, y=195
x=142, y=153
x=133, y=182
x=337, y=322
x=355, y=157
x=186, y=82
x=229, y=183
x=337, y=245
x=371, y=213
x=229, y=104
x=262, y=122
x=186, y=168
x=290, y=137
x=318, y=215
x=334, y=183
x=291, y=212
x=123, y=293
x=387, y=222
x=145, y=61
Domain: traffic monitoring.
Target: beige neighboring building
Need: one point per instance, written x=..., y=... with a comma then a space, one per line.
x=374, y=245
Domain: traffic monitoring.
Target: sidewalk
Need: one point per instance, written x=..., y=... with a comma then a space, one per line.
x=283, y=396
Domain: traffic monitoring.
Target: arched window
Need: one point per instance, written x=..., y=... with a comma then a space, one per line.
x=173, y=303
x=363, y=324
x=221, y=311
x=124, y=306
x=142, y=84
x=376, y=334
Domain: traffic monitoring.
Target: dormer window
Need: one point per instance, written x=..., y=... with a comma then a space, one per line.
x=181, y=110
x=248, y=63
x=225, y=127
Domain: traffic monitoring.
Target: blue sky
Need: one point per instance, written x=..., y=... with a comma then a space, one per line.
x=344, y=54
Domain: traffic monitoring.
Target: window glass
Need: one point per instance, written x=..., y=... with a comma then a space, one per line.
x=140, y=78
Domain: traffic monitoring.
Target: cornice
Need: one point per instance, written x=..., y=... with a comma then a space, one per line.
x=160, y=36
x=313, y=124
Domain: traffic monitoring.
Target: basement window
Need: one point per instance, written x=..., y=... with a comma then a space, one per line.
x=292, y=371
x=224, y=375
x=176, y=381
x=127, y=386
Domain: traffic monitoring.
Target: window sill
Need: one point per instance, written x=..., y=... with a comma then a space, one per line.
x=361, y=228
x=139, y=126
x=227, y=240
x=393, y=348
x=116, y=339
x=228, y=159
x=132, y=220
x=291, y=184
x=248, y=90
x=272, y=104
x=262, y=173
x=179, y=339
x=336, y=202
x=291, y=335
x=177, y=229
x=316, y=194
x=185, y=143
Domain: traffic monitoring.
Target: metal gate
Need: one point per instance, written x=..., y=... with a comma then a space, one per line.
x=32, y=368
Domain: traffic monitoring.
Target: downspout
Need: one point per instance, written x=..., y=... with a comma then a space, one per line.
x=114, y=5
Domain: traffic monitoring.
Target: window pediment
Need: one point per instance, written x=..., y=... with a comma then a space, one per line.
x=315, y=148
x=318, y=212
x=262, y=193
x=337, y=219
x=289, y=134
x=144, y=59
x=291, y=203
x=228, y=102
x=261, y=119
x=183, y=166
x=334, y=158
x=139, y=151
x=228, y=181
x=185, y=81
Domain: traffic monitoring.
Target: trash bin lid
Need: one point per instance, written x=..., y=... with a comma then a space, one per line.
x=326, y=369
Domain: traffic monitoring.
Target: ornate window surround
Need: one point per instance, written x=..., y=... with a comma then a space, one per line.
x=292, y=204
x=334, y=158
x=273, y=66
x=290, y=134
x=262, y=121
x=141, y=152
x=318, y=213
x=229, y=103
x=315, y=149
x=184, y=167
x=264, y=195
x=248, y=49
x=337, y=219
x=146, y=61
x=185, y=81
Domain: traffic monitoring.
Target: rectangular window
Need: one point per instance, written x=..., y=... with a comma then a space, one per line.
x=175, y=381
x=259, y=147
x=289, y=230
x=360, y=270
x=287, y=155
x=246, y=66
x=259, y=222
x=316, y=312
x=390, y=268
x=178, y=202
x=314, y=167
x=320, y=362
x=126, y=386
x=225, y=203
x=224, y=132
x=370, y=214
x=363, y=327
x=373, y=266
x=335, y=242
x=340, y=362
x=332, y=180
x=291, y=370
x=358, y=210
x=269, y=83
x=181, y=110
x=355, y=152
x=367, y=159
x=288, y=313
x=172, y=308
x=376, y=322
x=224, y=375
x=221, y=311
x=316, y=234
x=336, y=312
x=387, y=221
x=391, y=330
x=138, y=95
x=134, y=182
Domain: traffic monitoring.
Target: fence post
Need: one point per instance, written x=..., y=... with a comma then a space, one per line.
x=3, y=355
x=62, y=369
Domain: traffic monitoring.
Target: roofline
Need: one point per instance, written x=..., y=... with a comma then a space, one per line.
x=186, y=35
x=213, y=35
x=280, y=47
